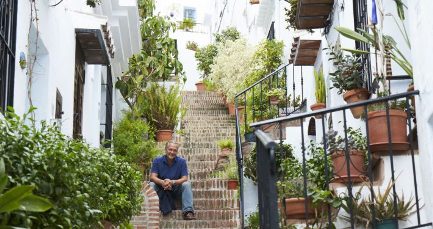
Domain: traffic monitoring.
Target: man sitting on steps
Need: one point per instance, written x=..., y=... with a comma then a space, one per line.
x=169, y=178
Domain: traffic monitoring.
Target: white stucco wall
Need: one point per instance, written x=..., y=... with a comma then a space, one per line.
x=421, y=31
x=54, y=68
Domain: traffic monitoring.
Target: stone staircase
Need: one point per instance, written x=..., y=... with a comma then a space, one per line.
x=206, y=121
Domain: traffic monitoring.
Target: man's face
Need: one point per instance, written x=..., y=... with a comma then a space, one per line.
x=171, y=151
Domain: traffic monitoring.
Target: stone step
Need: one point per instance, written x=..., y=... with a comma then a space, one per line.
x=197, y=151
x=209, y=184
x=200, y=164
x=224, y=135
x=208, y=104
x=200, y=157
x=215, y=194
x=206, y=112
x=178, y=224
x=209, y=130
x=205, y=139
x=206, y=215
x=216, y=122
x=215, y=204
x=208, y=117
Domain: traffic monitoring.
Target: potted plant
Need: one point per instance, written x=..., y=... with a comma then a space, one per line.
x=276, y=95
x=161, y=107
x=291, y=187
x=384, y=216
x=320, y=92
x=348, y=79
x=229, y=172
x=232, y=174
x=378, y=126
x=187, y=24
x=226, y=146
x=357, y=148
x=191, y=45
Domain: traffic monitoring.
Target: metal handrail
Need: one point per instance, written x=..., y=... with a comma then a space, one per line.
x=261, y=80
x=337, y=108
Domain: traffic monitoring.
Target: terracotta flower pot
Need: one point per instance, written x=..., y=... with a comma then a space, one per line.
x=226, y=151
x=318, y=106
x=274, y=100
x=295, y=208
x=356, y=95
x=378, y=130
x=232, y=184
x=356, y=166
x=231, y=107
x=164, y=135
x=200, y=86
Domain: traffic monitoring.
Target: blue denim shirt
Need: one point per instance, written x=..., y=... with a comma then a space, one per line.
x=177, y=170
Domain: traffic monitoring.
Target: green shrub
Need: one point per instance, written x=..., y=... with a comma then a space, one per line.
x=84, y=184
x=133, y=140
x=253, y=220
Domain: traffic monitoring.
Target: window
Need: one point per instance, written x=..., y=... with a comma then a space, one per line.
x=189, y=12
x=8, y=12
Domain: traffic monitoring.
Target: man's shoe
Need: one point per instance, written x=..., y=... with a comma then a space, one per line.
x=188, y=216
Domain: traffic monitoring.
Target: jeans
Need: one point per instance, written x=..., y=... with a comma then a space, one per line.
x=183, y=191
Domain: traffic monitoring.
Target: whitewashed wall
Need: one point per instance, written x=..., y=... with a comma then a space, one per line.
x=55, y=64
x=421, y=31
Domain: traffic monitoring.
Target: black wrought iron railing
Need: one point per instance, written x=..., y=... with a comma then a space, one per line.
x=363, y=175
x=266, y=99
x=8, y=27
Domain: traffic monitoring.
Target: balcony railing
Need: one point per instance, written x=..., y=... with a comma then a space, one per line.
x=323, y=175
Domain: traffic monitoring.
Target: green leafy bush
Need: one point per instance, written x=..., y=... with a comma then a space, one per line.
x=84, y=184
x=161, y=106
x=133, y=140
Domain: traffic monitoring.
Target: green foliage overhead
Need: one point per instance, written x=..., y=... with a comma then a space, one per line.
x=205, y=58
x=320, y=91
x=228, y=34
x=267, y=58
x=161, y=106
x=290, y=14
x=133, y=140
x=157, y=60
x=85, y=185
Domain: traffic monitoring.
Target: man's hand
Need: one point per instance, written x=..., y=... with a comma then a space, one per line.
x=167, y=184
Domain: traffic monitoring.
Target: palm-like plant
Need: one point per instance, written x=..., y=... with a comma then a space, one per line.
x=382, y=205
x=161, y=106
